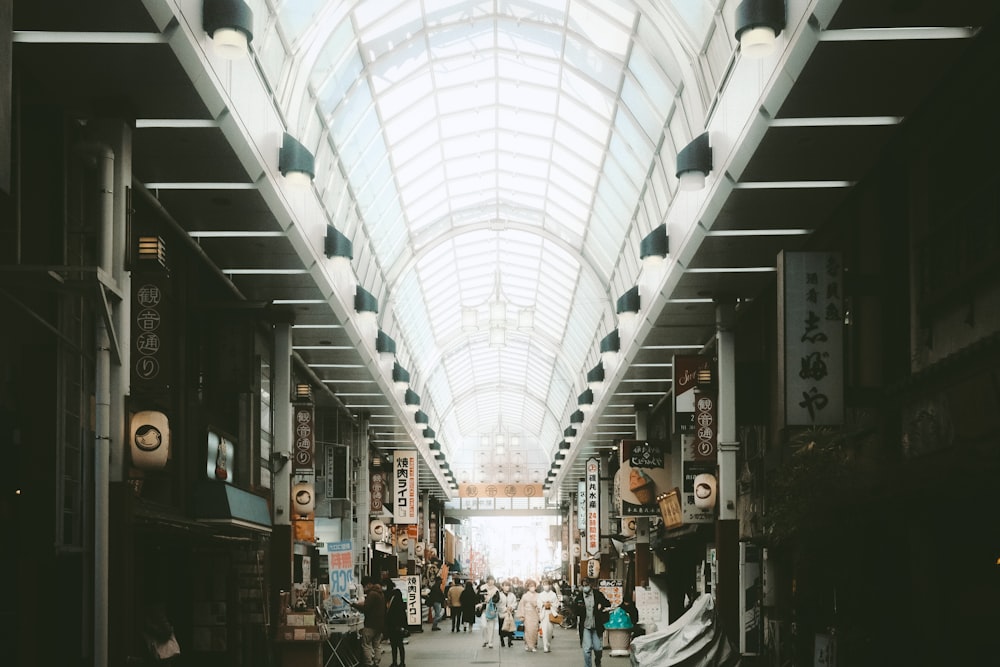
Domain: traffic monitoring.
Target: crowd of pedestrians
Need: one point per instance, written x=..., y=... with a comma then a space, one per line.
x=499, y=611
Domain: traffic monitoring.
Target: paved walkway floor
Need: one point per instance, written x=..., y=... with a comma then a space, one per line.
x=453, y=649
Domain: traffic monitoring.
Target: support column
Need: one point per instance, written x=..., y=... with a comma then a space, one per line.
x=282, y=558
x=727, y=528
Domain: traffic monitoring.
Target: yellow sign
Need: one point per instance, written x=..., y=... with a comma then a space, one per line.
x=499, y=490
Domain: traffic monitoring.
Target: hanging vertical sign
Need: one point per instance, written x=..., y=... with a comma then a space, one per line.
x=593, y=531
x=811, y=333
x=404, y=482
x=581, y=506
x=302, y=456
x=152, y=369
x=643, y=473
x=696, y=409
x=376, y=491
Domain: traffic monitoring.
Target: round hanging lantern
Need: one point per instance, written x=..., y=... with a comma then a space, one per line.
x=303, y=498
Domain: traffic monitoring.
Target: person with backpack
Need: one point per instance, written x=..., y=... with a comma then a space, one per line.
x=490, y=600
x=396, y=623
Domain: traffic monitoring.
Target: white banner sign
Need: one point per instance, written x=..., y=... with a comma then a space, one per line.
x=404, y=487
x=593, y=530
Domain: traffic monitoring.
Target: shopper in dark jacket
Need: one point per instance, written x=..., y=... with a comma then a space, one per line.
x=436, y=600
x=592, y=608
x=395, y=624
x=373, y=607
x=469, y=598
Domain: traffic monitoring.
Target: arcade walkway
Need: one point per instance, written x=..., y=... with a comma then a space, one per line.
x=449, y=649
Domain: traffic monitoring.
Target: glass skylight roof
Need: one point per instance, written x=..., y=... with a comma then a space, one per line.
x=497, y=152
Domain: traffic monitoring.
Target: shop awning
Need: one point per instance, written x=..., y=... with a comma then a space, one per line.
x=219, y=503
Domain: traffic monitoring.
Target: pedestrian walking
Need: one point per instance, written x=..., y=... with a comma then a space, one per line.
x=469, y=599
x=455, y=602
x=527, y=612
x=591, y=607
x=507, y=606
x=548, y=604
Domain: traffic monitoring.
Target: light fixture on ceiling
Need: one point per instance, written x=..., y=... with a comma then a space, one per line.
x=628, y=312
x=230, y=25
x=411, y=400
x=303, y=392
x=386, y=348
x=340, y=251
x=498, y=321
x=295, y=162
x=577, y=417
x=440, y=456
x=560, y=456
x=421, y=417
x=434, y=446
x=610, y=346
x=595, y=381
x=654, y=248
x=564, y=445
x=429, y=435
x=569, y=434
x=366, y=306
x=694, y=162
x=758, y=24
x=400, y=377
x=586, y=400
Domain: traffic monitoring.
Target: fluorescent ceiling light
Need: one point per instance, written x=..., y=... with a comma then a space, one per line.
x=792, y=185
x=183, y=123
x=894, y=34
x=837, y=121
x=234, y=235
x=200, y=186
x=759, y=232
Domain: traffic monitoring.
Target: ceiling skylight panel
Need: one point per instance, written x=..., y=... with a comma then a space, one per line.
x=536, y=102
x=649, y=118
x=583, y=122
x=621, y=171
x=421, y=114
x=427, y=208
x=529, y=38
x=393, y=32
x=337, y=66
x=465, y=123
x=411, y=314
x=562, y=222
x=297, y=16
x=407, y=172
x=350, y=113
x=415, y=145
x=608, y=28
x=603, y=71
x=459, y=40
x=580, y=160
x=651, y=81
x=412, y=190
x=467, y=98
x=597, y=101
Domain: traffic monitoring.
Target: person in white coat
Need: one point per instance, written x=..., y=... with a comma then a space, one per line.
x=490, y=593
x=507, y=606
x=548, y=603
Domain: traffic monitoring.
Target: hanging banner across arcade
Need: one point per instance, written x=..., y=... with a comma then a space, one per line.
x=500, y=491
x=811, y=333
x=404, y=493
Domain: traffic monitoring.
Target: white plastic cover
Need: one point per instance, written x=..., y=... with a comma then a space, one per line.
x=693, y=640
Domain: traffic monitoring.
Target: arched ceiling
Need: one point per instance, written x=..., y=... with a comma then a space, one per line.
x=498, y=151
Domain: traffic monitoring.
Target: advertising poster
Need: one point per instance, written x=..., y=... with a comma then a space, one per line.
x=405, y=500
x=643, y=473
x=341, y=569
x=613, y=589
